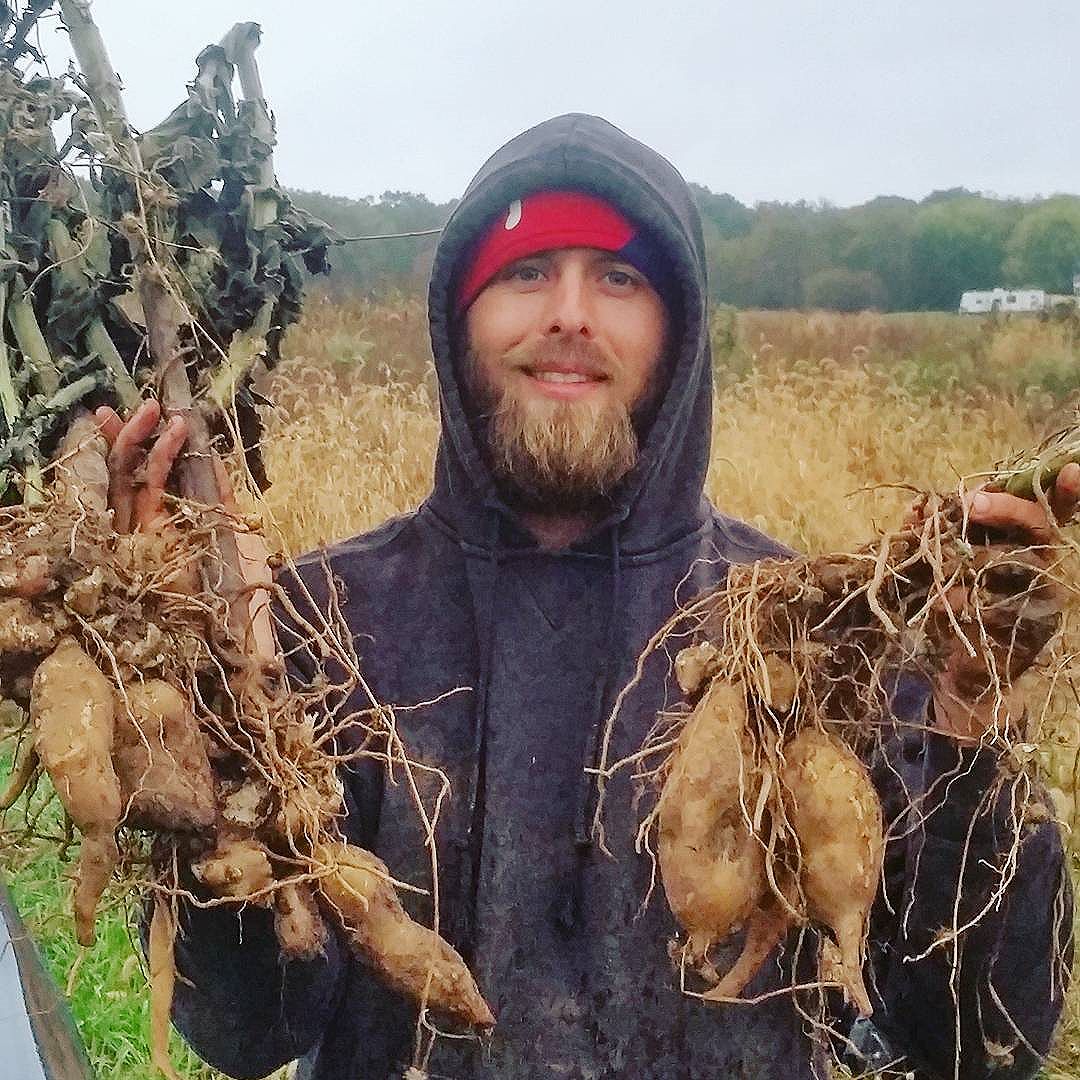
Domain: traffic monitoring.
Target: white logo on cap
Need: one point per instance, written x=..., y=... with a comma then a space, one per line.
x=513, y=217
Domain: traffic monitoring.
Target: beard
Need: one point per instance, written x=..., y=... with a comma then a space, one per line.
x=553, y=456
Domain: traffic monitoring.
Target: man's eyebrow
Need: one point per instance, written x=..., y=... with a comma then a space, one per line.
x=612, y=257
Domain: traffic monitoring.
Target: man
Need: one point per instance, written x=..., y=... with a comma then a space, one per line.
x=569, y=327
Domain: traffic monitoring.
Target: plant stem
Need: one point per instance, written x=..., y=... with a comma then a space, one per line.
x=33, y=484
x=1018, y=477
x=97, y=337
x=240, y=44
x=197, y=478
x=70, y=269
x=24, y=326
x=9, y=400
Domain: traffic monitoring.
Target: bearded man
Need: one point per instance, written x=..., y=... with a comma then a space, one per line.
x=569, y=328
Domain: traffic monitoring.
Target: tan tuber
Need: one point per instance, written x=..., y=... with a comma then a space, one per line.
x=836, y=815
x=71, y=708
x=410, y=958
x=711, y=863
x=161, y=761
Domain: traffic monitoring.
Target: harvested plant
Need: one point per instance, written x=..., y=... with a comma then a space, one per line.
x=167, y=264
x=764, y=817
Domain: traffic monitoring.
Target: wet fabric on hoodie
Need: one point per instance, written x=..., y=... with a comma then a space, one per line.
x=525, y=651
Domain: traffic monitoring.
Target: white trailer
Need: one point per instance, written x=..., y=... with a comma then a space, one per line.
x=982, y=302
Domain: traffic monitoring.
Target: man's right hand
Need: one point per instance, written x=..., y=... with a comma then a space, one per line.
x=138, y=475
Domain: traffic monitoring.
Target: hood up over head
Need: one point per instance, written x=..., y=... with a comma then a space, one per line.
x=661, y=500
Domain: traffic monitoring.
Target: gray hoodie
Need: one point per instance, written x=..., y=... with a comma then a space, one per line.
x=564, y=946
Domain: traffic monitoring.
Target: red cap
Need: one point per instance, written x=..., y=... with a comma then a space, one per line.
x=541, y=222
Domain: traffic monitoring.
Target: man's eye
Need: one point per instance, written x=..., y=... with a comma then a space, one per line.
x=525, y=272
x=621, y=279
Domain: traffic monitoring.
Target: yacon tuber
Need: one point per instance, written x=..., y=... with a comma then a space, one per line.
x=160, y=759
x=71, y=708
x=711, y=863
x=410, y=958
x=835, y=812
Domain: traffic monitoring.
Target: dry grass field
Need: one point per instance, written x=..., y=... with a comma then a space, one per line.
x=813, y=411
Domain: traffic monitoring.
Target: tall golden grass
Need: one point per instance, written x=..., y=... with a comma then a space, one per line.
x=814, y=414
x=810, y=410
x=822, y=425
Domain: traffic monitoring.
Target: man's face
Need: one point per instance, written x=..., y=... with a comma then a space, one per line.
x=563, y=350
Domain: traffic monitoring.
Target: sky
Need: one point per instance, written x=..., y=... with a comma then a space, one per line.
x=764, y=99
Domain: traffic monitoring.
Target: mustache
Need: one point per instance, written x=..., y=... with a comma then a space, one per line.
x=584, y=355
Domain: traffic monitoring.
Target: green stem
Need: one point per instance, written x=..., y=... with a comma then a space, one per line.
x=1022, y=483
x=240, y=44
x=75, y=391
x=31, y=341
x=102, y=83
x=97, y=337
x=71, y=269
x=9, y=400
x=33, y=484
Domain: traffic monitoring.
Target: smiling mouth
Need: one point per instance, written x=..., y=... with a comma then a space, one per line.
x=563, y=376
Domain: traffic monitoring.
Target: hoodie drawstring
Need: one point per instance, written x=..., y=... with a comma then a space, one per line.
x=484, y=592
x=570, y=914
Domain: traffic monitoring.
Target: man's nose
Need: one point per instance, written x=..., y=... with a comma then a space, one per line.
x=569, y=309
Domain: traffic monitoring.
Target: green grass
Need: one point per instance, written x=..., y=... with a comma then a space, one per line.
x=110, y=996
x=936, y=369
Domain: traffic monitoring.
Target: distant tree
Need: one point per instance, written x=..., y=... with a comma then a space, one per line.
x=1044, y=248
x=372, y=266
x=890, y=253
x=840, y=289
x=958, y=244
x=883, y=231
x=727, y=216
x=766, y=267
x=948, y=194
x=888, y=202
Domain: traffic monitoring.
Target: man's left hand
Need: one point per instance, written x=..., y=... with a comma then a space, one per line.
x=996, y=510
x=1027, y=524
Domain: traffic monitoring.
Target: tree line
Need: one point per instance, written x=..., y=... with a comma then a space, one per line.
x=892, y=253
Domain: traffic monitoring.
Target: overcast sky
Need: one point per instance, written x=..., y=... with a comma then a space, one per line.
x=765, y=99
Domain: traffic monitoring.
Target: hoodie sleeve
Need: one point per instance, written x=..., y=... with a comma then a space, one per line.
x=243, y=1007
x=971, y=938
x=240, y=1004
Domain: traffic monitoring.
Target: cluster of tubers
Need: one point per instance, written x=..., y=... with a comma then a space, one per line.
x=112, y=656
x=170, y=259
x=766, y=817
x=766, y=841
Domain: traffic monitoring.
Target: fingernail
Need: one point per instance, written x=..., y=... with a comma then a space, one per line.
x=980, y=504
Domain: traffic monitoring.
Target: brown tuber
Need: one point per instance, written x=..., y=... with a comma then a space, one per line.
x=410, y=958
x=711, y=863
x=749, y=837
x=835, y=813
x=300, y=929
x=238, y=866
x=160, y=759
x=765, y=929
x=71, y=708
